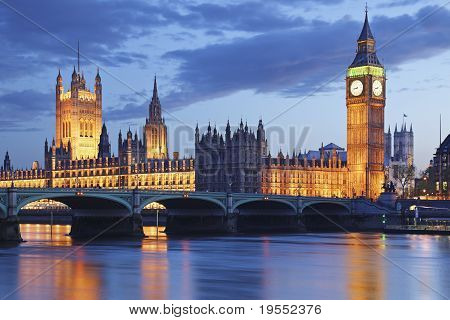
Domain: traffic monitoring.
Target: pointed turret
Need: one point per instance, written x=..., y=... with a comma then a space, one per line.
x=155, y=88
x=97, y=77
x=366, y=33
x=104, y=147
x=59, y=77
x=155, y=105
x=7, y=162
x=366, y=53
x=228, y=131
x=410, y=128
x=197, y=134
x=74, y=74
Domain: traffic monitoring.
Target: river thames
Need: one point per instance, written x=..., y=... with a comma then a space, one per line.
x=282, y=266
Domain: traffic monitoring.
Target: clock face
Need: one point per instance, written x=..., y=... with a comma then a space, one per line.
x=356, y=88
x=377, y=88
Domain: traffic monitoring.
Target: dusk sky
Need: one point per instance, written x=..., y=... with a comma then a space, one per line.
x=282, y=61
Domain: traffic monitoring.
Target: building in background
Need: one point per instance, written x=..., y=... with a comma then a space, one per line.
x=399, y=158
x=435, y=181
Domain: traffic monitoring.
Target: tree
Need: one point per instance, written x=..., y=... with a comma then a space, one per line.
x=404, y=175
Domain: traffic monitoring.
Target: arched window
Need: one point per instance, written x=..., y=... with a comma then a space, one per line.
x=64, y=130
x=70, y=130
x=91, y=129
x=81, y=127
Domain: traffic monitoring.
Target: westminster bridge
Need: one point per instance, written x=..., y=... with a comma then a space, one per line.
x=118, y=212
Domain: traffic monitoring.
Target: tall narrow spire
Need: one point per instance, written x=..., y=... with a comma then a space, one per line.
x=366, y=53
x=155, y=105
x=366, y=33
x=155, y=88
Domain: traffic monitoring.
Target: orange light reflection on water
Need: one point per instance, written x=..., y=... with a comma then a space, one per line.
x=154, y=265
x=365, y=270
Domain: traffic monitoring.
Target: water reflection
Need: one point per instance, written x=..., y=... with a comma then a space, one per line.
x=154, y=265
x=366, y=278
x=50, y=265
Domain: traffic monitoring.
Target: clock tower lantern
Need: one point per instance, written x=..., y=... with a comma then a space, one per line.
x=365, y=95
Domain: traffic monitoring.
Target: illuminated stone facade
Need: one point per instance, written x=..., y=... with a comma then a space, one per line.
x=155, y=130
x=78, y=117
x=315, y=173
x=155, y=174
x=365, y=94
x=80, y=157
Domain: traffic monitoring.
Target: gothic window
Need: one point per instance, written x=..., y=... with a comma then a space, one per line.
x=70, y=130
x=81, y=127
x=91, y=130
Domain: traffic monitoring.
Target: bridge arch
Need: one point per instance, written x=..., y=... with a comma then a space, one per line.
x=266, y=214
x=82, y=201
x=313, y=207
x=325, y=215
x=264, y=203
x=176, y=200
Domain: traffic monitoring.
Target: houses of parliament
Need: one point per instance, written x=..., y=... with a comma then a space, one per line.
x=239, y=161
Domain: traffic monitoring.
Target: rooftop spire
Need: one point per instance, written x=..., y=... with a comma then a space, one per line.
x=366, y=33
x=155, y=105
x=155, y=88
x=366, y=54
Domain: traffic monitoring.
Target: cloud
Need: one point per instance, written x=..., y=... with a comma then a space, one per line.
x=103, y=29
x=401, y=3
x=300, y=61
x=31, y=30
x=21, y=107
x=244, y=16
x=131, y=110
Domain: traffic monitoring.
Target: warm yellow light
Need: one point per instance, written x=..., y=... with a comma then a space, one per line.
x=365, y=70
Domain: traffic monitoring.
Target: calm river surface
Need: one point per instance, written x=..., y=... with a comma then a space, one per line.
x=287, y=266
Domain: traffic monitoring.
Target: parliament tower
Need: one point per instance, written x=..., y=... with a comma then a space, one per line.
x=365, y=95
x=78, y=116
x=155, y=129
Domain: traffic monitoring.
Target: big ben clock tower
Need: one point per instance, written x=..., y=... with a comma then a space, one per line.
x=366, y=84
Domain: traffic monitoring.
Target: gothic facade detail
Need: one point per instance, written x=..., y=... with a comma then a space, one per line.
x=155, y=130
x=78, y=117
x=232, y=163
x=365, y=95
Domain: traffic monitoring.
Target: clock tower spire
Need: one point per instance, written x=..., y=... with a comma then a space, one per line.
x=365, y=97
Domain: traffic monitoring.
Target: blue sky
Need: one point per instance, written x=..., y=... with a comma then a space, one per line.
x=284, y=61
